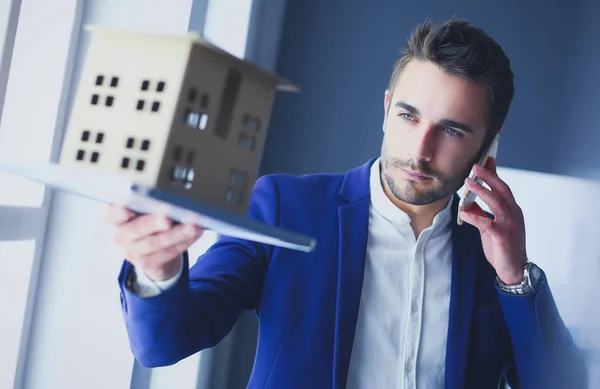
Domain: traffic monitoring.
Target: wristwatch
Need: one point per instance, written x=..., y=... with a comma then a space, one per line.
x=533, y=278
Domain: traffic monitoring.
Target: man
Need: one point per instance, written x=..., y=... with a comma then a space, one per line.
x=397, y=294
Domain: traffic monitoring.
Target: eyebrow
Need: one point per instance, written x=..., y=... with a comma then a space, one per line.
x=443, y=122
x=453, y=124
x=408, y=107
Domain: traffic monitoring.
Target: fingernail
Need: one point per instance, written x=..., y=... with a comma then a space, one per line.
x=162, y=223
x=189, y=230
x=471, y=181
x=479, y=168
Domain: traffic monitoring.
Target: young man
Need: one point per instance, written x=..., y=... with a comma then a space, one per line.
x=396, y=293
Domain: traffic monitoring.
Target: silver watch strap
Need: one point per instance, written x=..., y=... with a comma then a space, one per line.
x=532, y=276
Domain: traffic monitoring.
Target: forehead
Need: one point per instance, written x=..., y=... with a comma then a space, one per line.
x=439, y=95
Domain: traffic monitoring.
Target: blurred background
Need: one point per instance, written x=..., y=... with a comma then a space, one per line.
x=60, y=320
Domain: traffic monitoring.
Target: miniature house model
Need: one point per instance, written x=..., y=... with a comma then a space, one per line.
x=172, y=112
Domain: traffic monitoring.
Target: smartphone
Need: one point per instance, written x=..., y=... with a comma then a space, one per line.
x=467, y=199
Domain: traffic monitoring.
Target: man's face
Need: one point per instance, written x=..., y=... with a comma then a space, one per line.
x=434, y=131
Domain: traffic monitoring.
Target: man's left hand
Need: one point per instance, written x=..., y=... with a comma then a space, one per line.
x=503, y=236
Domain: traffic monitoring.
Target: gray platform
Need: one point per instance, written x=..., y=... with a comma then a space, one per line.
x=112, y=189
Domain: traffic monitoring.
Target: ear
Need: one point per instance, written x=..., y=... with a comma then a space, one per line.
x=386, y=101
x=386, y=104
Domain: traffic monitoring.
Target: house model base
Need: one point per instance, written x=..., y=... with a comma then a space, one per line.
x=110, y=188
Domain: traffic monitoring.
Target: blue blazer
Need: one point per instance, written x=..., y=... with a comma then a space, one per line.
x=307, y=303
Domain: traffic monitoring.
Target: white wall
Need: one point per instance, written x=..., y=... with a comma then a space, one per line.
x=563, y=237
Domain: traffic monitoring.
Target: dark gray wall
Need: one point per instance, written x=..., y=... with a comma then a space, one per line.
x=341, y=53
x=579, y=137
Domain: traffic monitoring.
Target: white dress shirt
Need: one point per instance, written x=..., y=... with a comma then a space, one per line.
x=401, y=332
x=402, y=326
x=144, y=287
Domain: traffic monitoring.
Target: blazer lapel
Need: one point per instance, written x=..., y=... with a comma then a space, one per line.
x=353, y=233
x=465, y=249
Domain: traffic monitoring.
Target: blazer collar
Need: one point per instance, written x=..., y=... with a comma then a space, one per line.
x=355, y=185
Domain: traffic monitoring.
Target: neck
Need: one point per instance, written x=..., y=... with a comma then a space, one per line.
x=421, y=216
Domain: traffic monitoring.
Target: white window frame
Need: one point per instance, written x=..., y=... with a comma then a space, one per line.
x=18, y=223
x=22, y=223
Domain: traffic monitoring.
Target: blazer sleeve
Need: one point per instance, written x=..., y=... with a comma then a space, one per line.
x=202, y=307
x=545, y=355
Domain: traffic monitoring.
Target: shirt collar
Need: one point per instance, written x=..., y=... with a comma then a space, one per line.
x=384, y=206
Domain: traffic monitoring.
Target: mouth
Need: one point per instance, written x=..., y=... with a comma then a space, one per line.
x=414, y=175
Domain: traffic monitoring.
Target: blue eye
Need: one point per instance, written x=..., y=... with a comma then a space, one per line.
x=407, y=116
x=452, y=132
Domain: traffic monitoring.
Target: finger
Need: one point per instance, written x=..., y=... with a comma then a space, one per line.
x=490, y=177
x=492, y=199
x=141, y=227
x=491, y=165
x=163, y=240
x=482, y=223
x=118, y=215
x=167, y=254
x=478, y=211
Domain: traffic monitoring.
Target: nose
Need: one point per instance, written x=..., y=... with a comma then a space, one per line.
x=424, y=144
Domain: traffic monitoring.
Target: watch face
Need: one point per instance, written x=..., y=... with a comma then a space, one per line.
x=535, y=275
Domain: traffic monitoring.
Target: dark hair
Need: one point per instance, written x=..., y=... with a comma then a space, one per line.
x=464, y=50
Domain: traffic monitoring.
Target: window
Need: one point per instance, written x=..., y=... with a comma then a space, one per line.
x=28, y=26
x=15, y=283
x=227, y=29
x=52, y=30
x=140, y=165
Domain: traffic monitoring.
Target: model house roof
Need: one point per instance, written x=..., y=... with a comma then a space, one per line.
x=194, y=38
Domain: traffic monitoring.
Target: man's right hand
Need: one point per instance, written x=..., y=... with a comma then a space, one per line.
x=151, y=242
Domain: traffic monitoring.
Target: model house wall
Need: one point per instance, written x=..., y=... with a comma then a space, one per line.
x=172, y=112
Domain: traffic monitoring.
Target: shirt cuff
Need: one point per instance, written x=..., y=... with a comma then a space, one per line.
x=144, y=287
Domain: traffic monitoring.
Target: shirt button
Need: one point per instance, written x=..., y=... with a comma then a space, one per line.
x=409, y=368
x=415, y=308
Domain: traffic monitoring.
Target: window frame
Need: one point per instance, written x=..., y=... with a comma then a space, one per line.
x=19, y=223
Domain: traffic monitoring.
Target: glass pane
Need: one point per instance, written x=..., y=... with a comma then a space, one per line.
x=18, y=191
x=16, y=259
x=34, y=95
x=226, y=29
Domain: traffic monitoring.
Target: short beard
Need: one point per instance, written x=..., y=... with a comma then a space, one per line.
x=447, y=185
